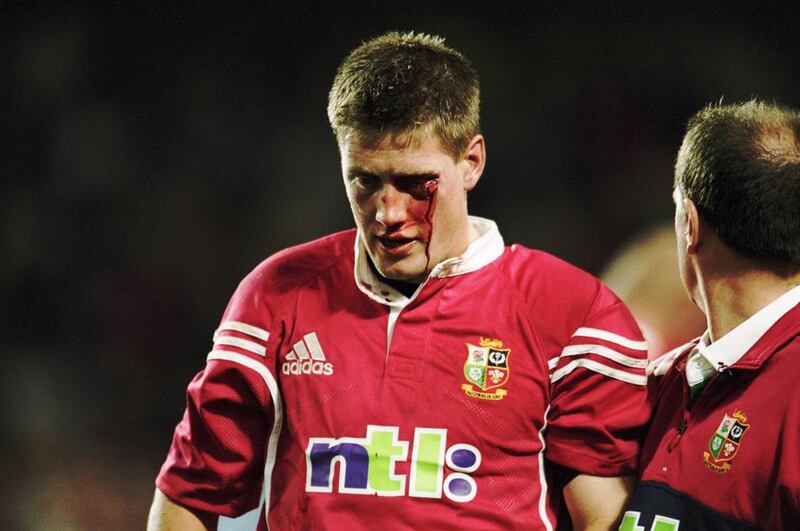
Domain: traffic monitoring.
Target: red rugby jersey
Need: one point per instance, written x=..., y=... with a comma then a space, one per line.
x=332, y=401
x=728, y=462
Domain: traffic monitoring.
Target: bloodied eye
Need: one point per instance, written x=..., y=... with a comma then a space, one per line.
x=421, y=187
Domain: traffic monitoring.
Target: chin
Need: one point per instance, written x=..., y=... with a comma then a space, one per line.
x=402, y=274
x=400, y=271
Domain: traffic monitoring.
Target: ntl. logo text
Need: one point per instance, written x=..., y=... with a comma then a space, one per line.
x=367, y=465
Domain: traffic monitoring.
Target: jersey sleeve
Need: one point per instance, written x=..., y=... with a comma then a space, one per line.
x=599, y=406
x=220, y=448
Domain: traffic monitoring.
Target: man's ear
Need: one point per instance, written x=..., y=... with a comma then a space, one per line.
x=695, y=226
x=475, y=161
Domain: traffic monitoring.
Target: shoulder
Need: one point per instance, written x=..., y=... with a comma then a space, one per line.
x=561, y=299
x=295, y=266
x=539, y=273
x=523, y=260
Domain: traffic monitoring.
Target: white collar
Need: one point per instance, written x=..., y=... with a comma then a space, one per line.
x=486, y=249
x=730, y=348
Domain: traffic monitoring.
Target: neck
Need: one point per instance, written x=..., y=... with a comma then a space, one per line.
x=405, y=287
x=730, y=299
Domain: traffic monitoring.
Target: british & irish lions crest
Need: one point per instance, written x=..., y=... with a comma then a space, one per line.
x=486, y=369
x=725, y=442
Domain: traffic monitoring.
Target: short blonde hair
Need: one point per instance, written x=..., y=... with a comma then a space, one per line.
x=406, y=82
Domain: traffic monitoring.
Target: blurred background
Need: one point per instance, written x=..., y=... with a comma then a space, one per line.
x=151, y=154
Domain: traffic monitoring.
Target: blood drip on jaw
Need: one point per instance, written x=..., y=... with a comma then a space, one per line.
x=430, y=194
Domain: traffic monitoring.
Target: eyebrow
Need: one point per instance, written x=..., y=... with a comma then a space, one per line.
x=359, y=171
x=430, y=174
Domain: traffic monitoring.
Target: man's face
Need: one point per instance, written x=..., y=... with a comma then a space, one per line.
x=409, y=201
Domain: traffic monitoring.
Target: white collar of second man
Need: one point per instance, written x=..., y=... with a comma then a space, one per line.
x=729, y=349
x=486, y=249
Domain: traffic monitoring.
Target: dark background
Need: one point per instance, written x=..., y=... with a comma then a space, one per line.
x=151, y=154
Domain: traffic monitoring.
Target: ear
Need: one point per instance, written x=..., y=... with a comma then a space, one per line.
x=695, y=227
x=474, y=161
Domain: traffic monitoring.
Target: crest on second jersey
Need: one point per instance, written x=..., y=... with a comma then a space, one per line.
x=725, y=442
x=487, y=367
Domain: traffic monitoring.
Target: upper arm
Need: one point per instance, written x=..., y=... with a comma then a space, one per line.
x=597, y=503
x=216, y=460
x=233, y=417
x=218, y=452
x=599, y=405
x=166, y=515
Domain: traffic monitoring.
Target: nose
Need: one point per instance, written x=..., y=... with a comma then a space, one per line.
x=392, y=206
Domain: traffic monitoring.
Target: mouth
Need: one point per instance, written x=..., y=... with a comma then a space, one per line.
x=396, y=245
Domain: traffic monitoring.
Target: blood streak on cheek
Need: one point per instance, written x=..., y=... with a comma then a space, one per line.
x=431, y=187
x=424, y=194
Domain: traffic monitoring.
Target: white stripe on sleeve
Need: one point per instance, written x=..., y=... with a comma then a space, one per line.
x=599, y=368
x=244, y=328
x=245, y=344
x=611, y=337
x=600, y=350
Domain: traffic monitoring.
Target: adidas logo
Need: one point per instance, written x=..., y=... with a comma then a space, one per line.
x=307, y=358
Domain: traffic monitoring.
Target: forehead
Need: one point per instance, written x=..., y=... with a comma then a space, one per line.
x=401, y=150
